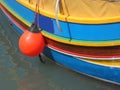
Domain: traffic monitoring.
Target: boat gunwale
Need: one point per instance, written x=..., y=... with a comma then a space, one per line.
x=67, y=40
x=22, y=26
x=72, y=19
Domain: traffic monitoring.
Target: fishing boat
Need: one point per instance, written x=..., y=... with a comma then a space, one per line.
x=82, y=35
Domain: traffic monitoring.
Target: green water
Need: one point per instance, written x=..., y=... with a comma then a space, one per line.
x=18, y=72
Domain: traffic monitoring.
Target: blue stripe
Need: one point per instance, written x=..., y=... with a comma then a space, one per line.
x=95, y=32
x=45, y=23
x=15, y=26
x=17, y=29
x=25, y=13
x=65, y=29
x=99, y=71
x=85, y=32
x=103, y=72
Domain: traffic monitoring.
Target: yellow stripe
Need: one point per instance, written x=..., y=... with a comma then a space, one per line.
x=42, y=11
x=110, y=63
x=71, y=18
x=80, y=42
x=93, y=20
x=15, y=14
x=67, y=40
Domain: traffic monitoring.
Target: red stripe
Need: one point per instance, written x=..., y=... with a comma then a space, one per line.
x=12, y=18
x=52, y=46
x=81, y=55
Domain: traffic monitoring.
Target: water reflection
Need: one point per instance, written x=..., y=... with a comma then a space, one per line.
x=18, y=72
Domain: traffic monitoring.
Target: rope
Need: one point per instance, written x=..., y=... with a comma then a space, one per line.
x=36, y=11
x=36, y=14
x=56, y=13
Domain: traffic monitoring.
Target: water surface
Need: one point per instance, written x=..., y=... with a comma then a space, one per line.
x=18, y=72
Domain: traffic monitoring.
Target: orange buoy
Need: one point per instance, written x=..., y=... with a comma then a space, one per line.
x=31, y=43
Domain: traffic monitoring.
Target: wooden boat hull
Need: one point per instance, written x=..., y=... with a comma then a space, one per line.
x=79, y=34
x=99, y=62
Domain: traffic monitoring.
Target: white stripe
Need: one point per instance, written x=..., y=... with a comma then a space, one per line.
x=76, y=56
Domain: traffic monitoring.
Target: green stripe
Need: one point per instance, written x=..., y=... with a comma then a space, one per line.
x=14, y=13
x=53, y=35
x=74, y=40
